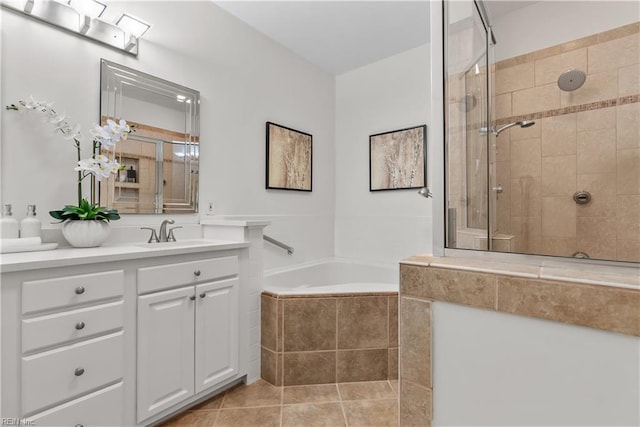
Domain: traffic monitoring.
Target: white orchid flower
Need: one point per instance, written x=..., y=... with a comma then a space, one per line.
x=70, y=132
x=102, y=136
x=87, y=165
x=101, y=167
x=56, y=118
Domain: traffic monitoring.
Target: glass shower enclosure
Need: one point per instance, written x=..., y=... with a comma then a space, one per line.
x=468, y=44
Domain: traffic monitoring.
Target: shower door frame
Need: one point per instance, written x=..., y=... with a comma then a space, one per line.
x=489, y=41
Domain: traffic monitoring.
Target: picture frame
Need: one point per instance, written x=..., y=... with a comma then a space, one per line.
x=289, y=158
x=398, y=159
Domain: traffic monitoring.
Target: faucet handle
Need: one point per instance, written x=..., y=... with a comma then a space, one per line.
x=171, y=237
x=154, y=236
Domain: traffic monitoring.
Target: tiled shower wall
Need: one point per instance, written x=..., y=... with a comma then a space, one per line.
x=587, y=139
x=329, y=338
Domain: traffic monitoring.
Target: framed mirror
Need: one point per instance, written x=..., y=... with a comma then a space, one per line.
x=160, y=158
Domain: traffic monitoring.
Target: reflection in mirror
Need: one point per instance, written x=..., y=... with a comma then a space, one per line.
x=552, y=167
x=160, y=159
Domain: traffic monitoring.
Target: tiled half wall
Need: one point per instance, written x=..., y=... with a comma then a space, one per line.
x=587, y=139
x=329, y=338
x=424, y=281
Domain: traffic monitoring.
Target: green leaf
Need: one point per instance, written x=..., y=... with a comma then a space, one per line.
x=85, y=212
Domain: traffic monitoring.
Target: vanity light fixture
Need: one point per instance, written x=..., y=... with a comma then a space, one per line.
x=90, y=8
x=83, y=18
x=132, y=25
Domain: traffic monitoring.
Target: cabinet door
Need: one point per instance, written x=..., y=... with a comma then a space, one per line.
x=165, y=350
x=216, y=332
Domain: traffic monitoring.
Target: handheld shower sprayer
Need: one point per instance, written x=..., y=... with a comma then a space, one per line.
x=522, y=124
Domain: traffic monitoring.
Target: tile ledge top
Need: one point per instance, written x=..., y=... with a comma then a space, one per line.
x=234, y=222
x=613, y=276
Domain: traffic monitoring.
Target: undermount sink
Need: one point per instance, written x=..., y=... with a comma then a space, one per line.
x=182, y=243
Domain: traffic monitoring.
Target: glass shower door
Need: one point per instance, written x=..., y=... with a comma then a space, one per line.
x=466, y=115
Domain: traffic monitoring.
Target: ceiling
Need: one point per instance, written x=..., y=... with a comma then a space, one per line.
x=338, y=36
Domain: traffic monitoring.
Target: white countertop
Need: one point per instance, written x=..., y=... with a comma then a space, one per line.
x=107, y=253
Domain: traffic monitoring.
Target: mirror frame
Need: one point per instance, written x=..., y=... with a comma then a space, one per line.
x=113, y=77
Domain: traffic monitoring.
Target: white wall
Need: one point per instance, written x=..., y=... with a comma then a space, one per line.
x=244, y=78
x=384, y=96
x=548, y=23
x=504, y=370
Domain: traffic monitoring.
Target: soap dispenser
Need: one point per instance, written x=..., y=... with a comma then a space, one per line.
x=30, y=225
x=9, y=228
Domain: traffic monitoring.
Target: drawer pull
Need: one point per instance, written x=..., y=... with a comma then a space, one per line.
x=79, y=290
x=196, y=273
x=79, y=425
x=80, y=325
x=202, y=295
x=192, y=297
x=79, y=371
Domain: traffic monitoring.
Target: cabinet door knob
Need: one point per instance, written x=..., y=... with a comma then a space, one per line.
x=79, y=290
x=79, y=371
x=196, y=273
x=202, y=295
x=80, y=325
x=192, y=297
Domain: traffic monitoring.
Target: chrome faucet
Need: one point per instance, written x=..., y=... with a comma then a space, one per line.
x=162, y=235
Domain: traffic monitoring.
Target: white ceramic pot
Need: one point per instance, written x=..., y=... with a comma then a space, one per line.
x=86, y=234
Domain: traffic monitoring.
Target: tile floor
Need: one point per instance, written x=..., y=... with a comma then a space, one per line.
x=370, y=404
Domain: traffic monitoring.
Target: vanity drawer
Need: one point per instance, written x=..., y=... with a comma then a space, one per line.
x=38, y=295
x=101, y=408
x=151, y=279
x=58, y=328
x=66, y=372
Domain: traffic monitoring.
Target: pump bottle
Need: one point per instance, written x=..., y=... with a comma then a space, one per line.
x=30, y=225
x=9, y=228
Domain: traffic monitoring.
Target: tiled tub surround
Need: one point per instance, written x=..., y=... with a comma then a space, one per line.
x=318, y=339
x=587, y=139
x=602, y=300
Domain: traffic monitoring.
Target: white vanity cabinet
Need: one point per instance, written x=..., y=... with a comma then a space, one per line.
x=69, y=366
x=187, y=335
x=121, y=337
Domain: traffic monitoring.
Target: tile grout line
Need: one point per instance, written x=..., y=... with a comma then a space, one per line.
x=335, y=377
x=344, y=413
x=281, y=401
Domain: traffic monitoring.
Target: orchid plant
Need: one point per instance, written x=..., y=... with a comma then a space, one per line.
x=99, y=165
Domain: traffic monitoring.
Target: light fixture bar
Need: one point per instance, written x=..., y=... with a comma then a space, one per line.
x=133, y=42
x=86, y=24
x=81, y=17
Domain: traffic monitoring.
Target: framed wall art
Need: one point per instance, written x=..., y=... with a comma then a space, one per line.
x=398, y=159
x=289, y=155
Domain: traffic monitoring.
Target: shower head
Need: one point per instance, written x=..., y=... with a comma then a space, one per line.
x=571, y=80
x=468, y=102
x=522, y=124
x=424, y=191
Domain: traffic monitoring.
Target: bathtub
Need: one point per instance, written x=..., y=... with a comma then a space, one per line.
x=330, y=321
x=332, y=277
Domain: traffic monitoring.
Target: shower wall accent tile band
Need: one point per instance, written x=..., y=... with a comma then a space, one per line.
x=318, y=339
x=522, y=292
x=568, y=110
